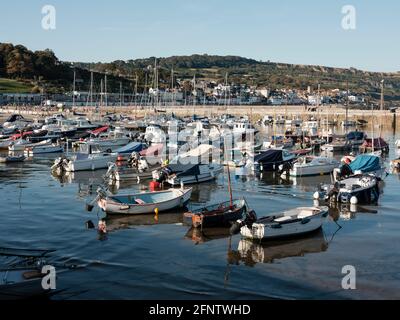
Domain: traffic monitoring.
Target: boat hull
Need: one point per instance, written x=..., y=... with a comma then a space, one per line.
x=179, y=199
x=91, y=164
x=265, y=232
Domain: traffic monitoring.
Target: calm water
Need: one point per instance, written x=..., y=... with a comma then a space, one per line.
x=140, y=259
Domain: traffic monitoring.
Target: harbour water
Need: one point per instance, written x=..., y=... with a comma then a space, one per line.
x=143, y=259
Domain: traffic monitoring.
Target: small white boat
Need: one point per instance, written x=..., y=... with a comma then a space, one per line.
x=144, y=203
x=313, y=166
x=44, y=149
x=179, y=174
x=287, y=224
x=84, y=162
x=21, y=144
x=397, y=144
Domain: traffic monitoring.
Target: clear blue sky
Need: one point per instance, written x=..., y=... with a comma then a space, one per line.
x=293, y=31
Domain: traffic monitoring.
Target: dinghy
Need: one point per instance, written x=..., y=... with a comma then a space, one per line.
x=218, y=215
x=143, y=203
x=291, y=223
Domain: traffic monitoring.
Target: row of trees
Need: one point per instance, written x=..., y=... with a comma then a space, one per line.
x=19, y=62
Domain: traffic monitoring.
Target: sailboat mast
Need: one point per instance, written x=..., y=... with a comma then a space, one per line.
x=73, y=90
x=105, y=90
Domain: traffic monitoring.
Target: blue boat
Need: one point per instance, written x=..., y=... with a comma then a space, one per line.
x=131, y=147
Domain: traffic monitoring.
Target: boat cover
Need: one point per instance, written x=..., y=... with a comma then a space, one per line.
x=355, y=135
x=378, y=143
x=270, y=156
x=184, y=169
x=131, y=147
x=15, y=117
x=366, y=163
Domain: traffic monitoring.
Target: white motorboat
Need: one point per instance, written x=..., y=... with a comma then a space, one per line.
x=286, y=224
x=357, y=189
x=84, y=162
x=144, y=203
x=313, y=166
x=43, y=149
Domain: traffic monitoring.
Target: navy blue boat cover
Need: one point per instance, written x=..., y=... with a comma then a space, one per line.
x=270, y=156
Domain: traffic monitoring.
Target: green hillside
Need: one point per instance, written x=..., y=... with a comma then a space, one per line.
x=14, y=86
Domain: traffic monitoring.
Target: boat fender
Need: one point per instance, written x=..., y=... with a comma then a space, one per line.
x=316, y=195
x=354, y=200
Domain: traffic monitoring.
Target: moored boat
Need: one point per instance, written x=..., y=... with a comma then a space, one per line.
x=217, y=215
x=357, y=189
x=291, y=223
x=43, y=149
x=313, y=166
x=178, y=174
x=142, y=203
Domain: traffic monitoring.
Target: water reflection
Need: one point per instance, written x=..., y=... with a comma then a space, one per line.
x=199, y=236
x=115, y=223
x=250, y=253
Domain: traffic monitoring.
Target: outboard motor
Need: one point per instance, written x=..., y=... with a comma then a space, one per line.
x=133, y=159
x=345, y=171
x=251, y=217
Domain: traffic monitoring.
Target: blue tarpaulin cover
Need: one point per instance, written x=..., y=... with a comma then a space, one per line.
x=366, y=163
x=131, y=147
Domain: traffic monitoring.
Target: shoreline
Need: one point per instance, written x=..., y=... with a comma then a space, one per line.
x=255, y=113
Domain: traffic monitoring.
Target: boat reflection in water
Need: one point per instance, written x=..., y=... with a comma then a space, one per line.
x=87, y=181
x=202, y=193
x=339, y=211
x=199, y=236
x=251, y=253
x=115, y=223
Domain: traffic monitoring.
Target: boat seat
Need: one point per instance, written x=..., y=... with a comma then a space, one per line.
x=305, y=214
x=283, y=219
